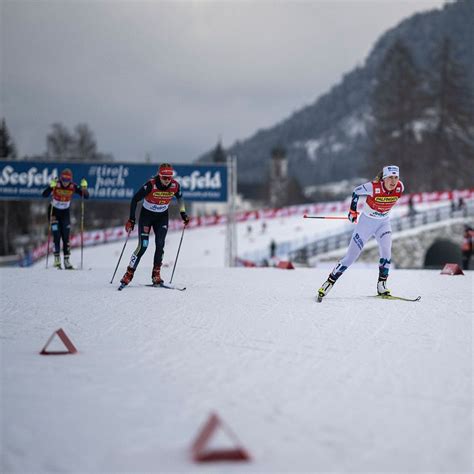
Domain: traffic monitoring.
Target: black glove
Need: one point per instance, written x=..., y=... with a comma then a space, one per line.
x=185, y=217
x=129, y=225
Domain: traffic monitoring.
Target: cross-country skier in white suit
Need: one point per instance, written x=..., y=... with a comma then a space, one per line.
x=382, y=194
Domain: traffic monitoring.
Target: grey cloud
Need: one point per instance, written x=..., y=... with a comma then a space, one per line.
x=170, y=77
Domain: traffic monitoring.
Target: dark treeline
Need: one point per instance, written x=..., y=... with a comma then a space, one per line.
x=409, y=102
x=423, y=120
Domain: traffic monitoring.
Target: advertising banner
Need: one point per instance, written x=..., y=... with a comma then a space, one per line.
x=110, y=181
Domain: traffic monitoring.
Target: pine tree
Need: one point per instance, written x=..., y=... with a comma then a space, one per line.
x=7, y=146
x=397, y=104
x=14, y=215
x=218, y=155
x=451, y=111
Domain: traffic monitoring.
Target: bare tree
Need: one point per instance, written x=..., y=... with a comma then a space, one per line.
x=85, y=145
x=59, y=143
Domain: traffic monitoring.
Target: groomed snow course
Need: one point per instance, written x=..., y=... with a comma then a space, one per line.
x=354, y=384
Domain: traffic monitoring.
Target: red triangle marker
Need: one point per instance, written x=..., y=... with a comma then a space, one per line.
x=285, y=265
x=201, y=454
x=452, y=269
x=66, y=341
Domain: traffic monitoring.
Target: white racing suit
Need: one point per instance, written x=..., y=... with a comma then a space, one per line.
x=374, y=221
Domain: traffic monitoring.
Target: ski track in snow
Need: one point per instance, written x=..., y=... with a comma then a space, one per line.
x=353, y=384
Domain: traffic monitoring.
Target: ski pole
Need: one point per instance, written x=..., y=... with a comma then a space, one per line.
x=49, y=233
x=82, y=230
x=324, y=217
x=177, y=254
x=120, y=258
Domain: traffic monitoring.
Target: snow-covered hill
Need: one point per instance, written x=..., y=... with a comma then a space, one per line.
x=351, y=384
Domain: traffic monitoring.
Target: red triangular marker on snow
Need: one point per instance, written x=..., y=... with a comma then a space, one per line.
x=452, y=269
x=66, y=341
x=201, y=454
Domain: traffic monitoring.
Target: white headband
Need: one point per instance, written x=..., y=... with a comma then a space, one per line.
x=390, y=170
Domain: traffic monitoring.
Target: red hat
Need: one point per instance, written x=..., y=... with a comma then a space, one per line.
x=166, y=170
x=66, y=174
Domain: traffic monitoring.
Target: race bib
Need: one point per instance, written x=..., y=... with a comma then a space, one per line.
x=61, y=204
x=155, y=207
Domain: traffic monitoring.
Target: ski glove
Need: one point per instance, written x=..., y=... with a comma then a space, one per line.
x=130, y=224
x=352, y=216
x=53, y=183
x=185, y=217
x=83, y=183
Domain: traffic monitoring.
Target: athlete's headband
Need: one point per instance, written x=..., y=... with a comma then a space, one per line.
x=390, y=170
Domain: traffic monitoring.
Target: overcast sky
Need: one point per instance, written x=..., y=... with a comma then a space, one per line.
x=168, y=78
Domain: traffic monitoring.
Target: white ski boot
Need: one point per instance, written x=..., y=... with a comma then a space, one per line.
x=67, y=264
x=57, y=262
x=325, y=289
x=382, y=289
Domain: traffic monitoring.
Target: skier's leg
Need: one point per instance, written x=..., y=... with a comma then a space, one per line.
x=362, y=233
x=143, y=239
x=160, y=228
x=55, y=228
x=65, y=227
x=383, y=235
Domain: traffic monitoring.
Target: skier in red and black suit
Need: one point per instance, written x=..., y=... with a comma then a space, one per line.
x=62, y=191
x=156, y=194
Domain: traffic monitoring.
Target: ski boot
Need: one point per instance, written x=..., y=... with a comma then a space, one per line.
x=127, y=278
x=382, y=289
x=67, y=264
x=155, y=275
x=325, y=289
x=57, y=262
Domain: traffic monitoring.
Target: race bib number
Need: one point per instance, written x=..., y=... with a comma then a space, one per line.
x=155, y=207
x=61, y=204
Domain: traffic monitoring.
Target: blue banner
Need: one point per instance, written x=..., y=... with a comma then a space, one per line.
x=110, y=181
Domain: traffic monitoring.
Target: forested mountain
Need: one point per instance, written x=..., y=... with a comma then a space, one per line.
x=426, y=63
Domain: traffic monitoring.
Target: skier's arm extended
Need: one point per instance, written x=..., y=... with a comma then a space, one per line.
x=365, y=189
x=47, y=192
x=182, y=209
x=139, y=195
x=81, y=191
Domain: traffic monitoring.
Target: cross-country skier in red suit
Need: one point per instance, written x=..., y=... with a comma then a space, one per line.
x=62, y=191
x=382, y=194
x=156, y=194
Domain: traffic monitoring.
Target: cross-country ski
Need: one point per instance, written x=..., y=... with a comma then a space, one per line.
x=400, y=298
x=166, y=286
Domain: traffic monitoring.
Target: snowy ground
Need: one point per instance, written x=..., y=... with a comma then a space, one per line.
x=353, y=384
